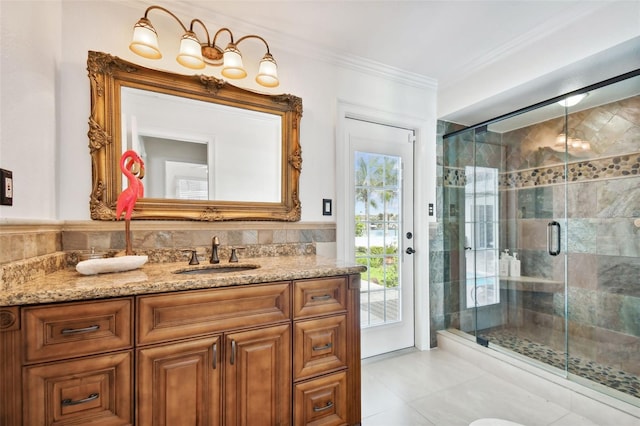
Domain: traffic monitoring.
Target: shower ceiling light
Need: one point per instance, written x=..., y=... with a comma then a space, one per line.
x=196, y=55
x=572, y=100
x=574, y=145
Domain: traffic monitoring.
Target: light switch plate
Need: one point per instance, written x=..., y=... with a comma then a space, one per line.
x=326, y=207
x=6, y=187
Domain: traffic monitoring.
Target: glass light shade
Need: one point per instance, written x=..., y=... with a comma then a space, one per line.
x=268, y=72
x=232, y=67
x=145, y=40
x=572, y=100
x=190, y=54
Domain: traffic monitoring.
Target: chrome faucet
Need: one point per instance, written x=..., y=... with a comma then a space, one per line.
x=215, y=243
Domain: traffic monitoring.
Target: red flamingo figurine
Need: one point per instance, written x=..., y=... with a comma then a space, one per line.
x=132, y=167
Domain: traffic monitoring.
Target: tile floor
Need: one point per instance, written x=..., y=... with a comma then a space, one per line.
x=438, y=388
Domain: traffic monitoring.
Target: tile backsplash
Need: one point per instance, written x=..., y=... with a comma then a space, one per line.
x=157, y=238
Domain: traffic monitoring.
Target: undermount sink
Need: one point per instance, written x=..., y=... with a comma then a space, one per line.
x=217, y=269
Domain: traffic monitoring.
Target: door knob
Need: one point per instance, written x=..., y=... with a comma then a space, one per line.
x=410, y=250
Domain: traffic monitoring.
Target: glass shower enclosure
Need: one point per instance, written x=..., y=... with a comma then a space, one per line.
x=541, y=213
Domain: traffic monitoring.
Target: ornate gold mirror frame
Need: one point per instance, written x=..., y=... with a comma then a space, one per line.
x=109, y=74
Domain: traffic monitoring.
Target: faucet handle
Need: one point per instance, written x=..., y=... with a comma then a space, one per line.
x=215, y=242
x=234, y=254
x=194, y=257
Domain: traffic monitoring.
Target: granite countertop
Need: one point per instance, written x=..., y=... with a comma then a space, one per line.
x=69, y=285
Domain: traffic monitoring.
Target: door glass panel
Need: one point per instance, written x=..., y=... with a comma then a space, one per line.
x=529, y=166
x=377, y=192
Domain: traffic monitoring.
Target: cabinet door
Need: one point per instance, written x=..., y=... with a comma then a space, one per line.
x=258, y=377
x=180, y=384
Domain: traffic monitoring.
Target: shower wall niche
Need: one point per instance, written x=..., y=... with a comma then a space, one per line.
x=565, y=198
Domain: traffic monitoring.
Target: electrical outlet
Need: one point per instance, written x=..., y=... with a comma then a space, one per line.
x=6, y=187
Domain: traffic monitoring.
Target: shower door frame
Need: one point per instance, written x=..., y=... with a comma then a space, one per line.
x=564, y=222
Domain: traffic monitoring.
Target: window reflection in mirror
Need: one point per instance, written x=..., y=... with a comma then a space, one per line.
x=201, y=150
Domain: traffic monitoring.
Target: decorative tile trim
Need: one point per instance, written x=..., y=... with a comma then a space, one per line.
x=580, y=171
x=454, y=177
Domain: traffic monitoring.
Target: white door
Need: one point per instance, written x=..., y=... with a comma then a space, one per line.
x=381, y=230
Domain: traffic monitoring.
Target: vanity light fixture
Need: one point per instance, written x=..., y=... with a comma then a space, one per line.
x=196, y=55
x=572, y=100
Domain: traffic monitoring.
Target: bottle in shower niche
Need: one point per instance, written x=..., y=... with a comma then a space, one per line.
x=514, y=265
x=504, y=263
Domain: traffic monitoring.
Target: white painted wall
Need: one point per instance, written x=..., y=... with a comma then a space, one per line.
x=58, y=114
x=44, y=97
x=30, y=49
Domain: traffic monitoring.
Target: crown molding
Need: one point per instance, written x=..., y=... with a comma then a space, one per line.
x=517, y=44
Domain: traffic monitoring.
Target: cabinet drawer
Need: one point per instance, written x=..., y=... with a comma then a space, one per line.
x=175, y=316
x=322, y=401
x=320, y=346
x=319, y=296
x=96, y=390
x=63, y=331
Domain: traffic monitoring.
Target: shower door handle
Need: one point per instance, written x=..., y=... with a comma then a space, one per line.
x=550, y=240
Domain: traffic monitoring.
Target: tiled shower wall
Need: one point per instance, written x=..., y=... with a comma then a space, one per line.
x=604, y=244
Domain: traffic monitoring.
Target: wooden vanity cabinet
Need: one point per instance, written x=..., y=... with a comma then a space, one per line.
x=278, y=353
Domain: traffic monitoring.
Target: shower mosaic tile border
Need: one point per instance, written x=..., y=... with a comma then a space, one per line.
x=580, y=171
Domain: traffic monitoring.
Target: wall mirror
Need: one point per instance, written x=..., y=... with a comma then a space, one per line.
x=212, y=151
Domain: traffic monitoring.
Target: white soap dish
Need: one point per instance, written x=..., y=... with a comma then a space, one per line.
x=110, y=264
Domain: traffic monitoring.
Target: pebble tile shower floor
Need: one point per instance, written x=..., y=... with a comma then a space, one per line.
x=599, y=373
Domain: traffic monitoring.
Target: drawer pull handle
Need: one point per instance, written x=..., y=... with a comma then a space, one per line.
x=68, y=402
x=233, y=352
x=326, y=407
x=323, y=347
x=80, y=330
x=324, y=297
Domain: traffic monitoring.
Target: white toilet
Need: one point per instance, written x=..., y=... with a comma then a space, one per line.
x=493, y=422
